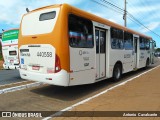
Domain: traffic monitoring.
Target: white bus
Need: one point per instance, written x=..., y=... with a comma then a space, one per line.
x=10, y=49
x=65, y=46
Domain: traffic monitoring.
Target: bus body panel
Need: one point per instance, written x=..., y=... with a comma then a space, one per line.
x=123, y=56
x=39, y=25
x=142, y=58
x=82, y=77
x=56, y=38
x=60, y=79
x=55, y=42
x=37, y=58
x=82, y=59
x=82, y=65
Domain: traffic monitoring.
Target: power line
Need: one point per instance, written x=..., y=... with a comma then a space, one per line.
x=150, y=8
x=143, y=25
x=111, y=4
x=121, y=12
x=130, y=15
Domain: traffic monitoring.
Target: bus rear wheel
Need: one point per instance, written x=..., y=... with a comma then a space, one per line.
x=147, y=63
x=117, y=72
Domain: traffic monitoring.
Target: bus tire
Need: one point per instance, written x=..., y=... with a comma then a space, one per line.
x=147, y=63
x=117, y=72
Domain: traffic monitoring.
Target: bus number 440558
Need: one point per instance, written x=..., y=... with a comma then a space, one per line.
x=44, y=54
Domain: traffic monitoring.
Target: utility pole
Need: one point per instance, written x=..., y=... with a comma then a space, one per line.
x=125, y=13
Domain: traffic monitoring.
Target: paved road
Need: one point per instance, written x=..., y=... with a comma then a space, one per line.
x=55, y=98
x=140, y=94
x=9, y=76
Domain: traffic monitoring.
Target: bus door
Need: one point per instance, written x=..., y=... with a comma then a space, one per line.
x=152, y=45
x=135, y=51
x=100, y=35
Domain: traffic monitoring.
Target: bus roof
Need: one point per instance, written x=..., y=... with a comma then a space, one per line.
x=92, y=17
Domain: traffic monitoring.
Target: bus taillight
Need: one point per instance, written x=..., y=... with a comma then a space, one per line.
x=57, y=64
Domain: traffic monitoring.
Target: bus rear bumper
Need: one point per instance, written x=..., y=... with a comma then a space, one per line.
x=60, y=79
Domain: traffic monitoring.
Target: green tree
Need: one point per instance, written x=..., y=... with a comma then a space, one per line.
x=158, y=50
x=0, y=44
x=0, y=49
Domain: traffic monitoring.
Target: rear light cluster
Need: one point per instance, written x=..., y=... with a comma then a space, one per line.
x=57, y=66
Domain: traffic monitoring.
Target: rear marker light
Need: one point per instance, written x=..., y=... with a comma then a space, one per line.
x=48, y=78
x=71, y=78
x=34, y=37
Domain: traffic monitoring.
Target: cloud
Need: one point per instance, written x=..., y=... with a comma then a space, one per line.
x=143, y=10
x=113, y=20
x=13, y=10
x=152, y=26
x=105, y=12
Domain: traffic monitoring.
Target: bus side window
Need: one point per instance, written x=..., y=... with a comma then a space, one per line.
x=80, y=32
x=116, y=39
x=74, y=38
x=147, y=44
x=142, y=43
x=128, y=41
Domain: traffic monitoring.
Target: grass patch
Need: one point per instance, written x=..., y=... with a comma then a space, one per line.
x=1, y=58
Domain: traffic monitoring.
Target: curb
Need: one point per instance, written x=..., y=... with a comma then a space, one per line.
x=21, y=87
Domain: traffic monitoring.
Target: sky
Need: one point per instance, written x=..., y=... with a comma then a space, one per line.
x=145, y=11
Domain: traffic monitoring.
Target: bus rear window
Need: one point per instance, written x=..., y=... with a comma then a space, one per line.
x=47, y=16
x=12, y=52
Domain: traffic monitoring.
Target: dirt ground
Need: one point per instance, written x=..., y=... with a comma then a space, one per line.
x=1, y=64
x=140, y=94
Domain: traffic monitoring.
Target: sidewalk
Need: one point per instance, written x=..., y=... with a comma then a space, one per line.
x=140, y=94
